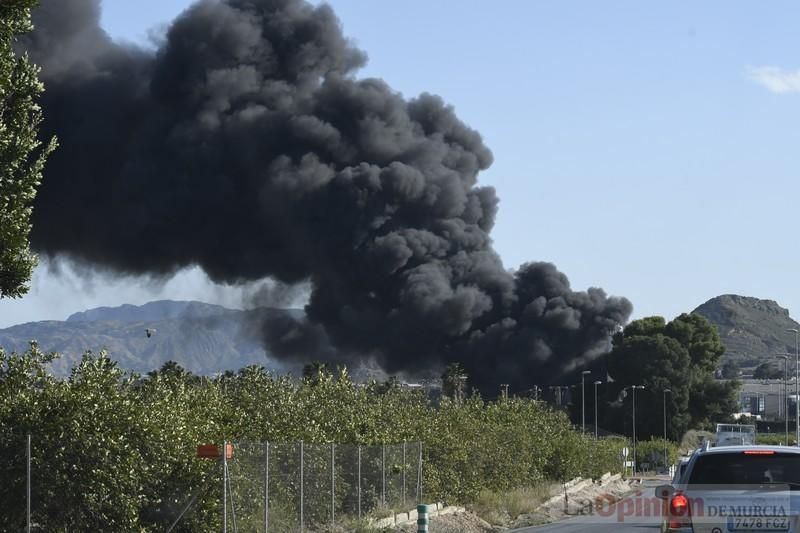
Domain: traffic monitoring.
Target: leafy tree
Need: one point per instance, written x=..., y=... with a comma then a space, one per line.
x=313, y=372
x=681, y=356
x=730, y=370
x=22, y=155
x=454, y=381
x=767, y=371
x=383, y=387
x=700, y=338
x=712, y=401
x=172, y=371
x=657, y=362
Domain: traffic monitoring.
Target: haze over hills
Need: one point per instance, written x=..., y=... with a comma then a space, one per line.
x=207, y=339
x=201, y=337
x=751, y=329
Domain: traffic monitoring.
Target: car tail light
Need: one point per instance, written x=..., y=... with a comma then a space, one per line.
x=759, y=452
x=679, y=513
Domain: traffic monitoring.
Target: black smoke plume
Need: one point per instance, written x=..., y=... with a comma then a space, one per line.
x=246, y=144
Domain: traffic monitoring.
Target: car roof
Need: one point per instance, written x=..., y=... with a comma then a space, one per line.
x=740, y=449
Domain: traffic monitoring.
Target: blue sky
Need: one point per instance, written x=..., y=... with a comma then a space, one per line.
x=646, y=148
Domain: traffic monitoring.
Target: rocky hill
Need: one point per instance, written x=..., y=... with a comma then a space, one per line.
x=751, y=329
x=202, y=338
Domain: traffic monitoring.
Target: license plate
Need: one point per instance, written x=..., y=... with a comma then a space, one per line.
x=758, y=523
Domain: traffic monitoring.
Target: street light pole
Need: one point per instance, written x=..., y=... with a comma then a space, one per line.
x=796, y=386
x=785, y=394
x=633, y=388
x=583, y=401
x=665, y=425
x=596, y=383
x=558, y=395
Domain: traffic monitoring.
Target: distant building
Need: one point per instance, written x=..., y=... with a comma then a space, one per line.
x=765, y=398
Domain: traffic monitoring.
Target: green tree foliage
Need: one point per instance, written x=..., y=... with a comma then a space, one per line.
x=681, y=356
x=117, y=452
x=454, y=380
x=772, y=439
x=651, y=453
x=730, y=370
x=768, y=370
x=22, y=155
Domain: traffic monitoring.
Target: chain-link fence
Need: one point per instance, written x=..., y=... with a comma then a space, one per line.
x=311, y=487
x=269, y=487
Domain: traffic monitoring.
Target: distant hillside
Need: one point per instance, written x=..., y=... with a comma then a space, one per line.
x=202, y=338
x=751, y=329
x=160, y=310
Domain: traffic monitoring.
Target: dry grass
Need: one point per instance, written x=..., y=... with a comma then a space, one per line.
x=502, y=508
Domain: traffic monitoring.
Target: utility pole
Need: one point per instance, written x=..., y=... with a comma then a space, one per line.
x=785, y=393
x=596, y=383
x=462, y=380
x=583, y=401
x=796, y=386
x=558, y=395
x=665, y=426
x=225, y=487
x=633, y=388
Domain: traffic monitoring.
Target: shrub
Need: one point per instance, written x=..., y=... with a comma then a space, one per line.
x=651, y=452
x=116, y=451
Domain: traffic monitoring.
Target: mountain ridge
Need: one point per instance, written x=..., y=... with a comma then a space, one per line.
x=155, y=310
x=203, y=338
x=752, y=329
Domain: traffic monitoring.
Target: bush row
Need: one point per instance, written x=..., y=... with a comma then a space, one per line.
x=116, y=452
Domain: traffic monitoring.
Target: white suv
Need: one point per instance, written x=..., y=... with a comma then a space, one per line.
x=735, y=489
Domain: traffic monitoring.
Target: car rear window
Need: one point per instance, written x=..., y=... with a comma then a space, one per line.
x=744, y=468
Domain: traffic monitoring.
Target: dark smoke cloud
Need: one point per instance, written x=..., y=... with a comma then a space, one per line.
x=245, y=144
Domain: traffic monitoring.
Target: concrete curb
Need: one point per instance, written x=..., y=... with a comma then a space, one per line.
x=576, y=485
x=572, y=487
x=410, y=517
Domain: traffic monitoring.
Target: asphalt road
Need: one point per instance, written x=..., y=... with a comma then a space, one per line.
x=623, y=518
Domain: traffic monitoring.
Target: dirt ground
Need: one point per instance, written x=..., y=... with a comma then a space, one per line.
x=453, y=523
x=577, y=503
x=551, y=511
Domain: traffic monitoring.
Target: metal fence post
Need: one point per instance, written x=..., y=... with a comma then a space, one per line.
x=333, y=483
x=404, y=474
x=359, y=481
x=383, y=474
x=301, y=487
x=28, y=500
x=224, y=486
x=419, y=474
x=266, y=487
x=233, y=505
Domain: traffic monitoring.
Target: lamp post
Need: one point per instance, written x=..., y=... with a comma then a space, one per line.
x=665, y=425
x=558, y=396
x=633, y=388
x=462, y=380
x=796, y=386
x=583, y=401
x=596, y=383
x=785, y=394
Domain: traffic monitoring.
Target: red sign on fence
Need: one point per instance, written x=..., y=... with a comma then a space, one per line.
x=211, y=451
